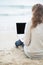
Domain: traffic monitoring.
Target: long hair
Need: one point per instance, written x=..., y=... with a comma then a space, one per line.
x=37, y=14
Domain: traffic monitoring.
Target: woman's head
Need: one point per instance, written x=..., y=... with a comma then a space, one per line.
x=37, y=11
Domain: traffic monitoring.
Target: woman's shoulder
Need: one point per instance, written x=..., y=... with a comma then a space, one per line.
x=27, y=27
x=28, y=24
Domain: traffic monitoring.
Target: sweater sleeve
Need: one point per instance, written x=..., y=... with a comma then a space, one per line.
x=27, y=34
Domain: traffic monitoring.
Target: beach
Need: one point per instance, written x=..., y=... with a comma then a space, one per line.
x=12, y=12
x=16, y=56
x=10, y=55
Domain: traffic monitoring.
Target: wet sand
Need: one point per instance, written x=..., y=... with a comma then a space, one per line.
x=17, y=57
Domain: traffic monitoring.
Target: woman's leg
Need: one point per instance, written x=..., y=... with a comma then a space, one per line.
x=19, y=43
x=35, y=55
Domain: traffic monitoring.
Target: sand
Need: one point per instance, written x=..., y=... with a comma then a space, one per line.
x=16, y=56
x=10, y=55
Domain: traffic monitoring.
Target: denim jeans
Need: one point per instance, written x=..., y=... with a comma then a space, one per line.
x=19, y=43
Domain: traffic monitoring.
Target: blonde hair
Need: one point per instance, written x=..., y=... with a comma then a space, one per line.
x=38, y=13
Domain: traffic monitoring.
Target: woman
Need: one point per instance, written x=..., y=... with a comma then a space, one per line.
x=33, y=40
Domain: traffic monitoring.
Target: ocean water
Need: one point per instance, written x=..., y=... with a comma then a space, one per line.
x=10, y=15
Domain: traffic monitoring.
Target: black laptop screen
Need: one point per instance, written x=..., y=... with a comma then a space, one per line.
x=20, y=28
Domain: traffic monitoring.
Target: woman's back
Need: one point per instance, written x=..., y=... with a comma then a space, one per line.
x=35, y=49
x=37, y=39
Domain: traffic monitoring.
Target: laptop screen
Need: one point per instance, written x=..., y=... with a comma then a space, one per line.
x=20, y=28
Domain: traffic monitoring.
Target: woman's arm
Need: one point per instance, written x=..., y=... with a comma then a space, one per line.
x=27, y=35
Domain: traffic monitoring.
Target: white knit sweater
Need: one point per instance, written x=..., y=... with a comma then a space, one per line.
x=36, y=44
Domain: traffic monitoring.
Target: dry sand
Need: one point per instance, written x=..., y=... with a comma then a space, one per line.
x=17, y=57
x=14, y=56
